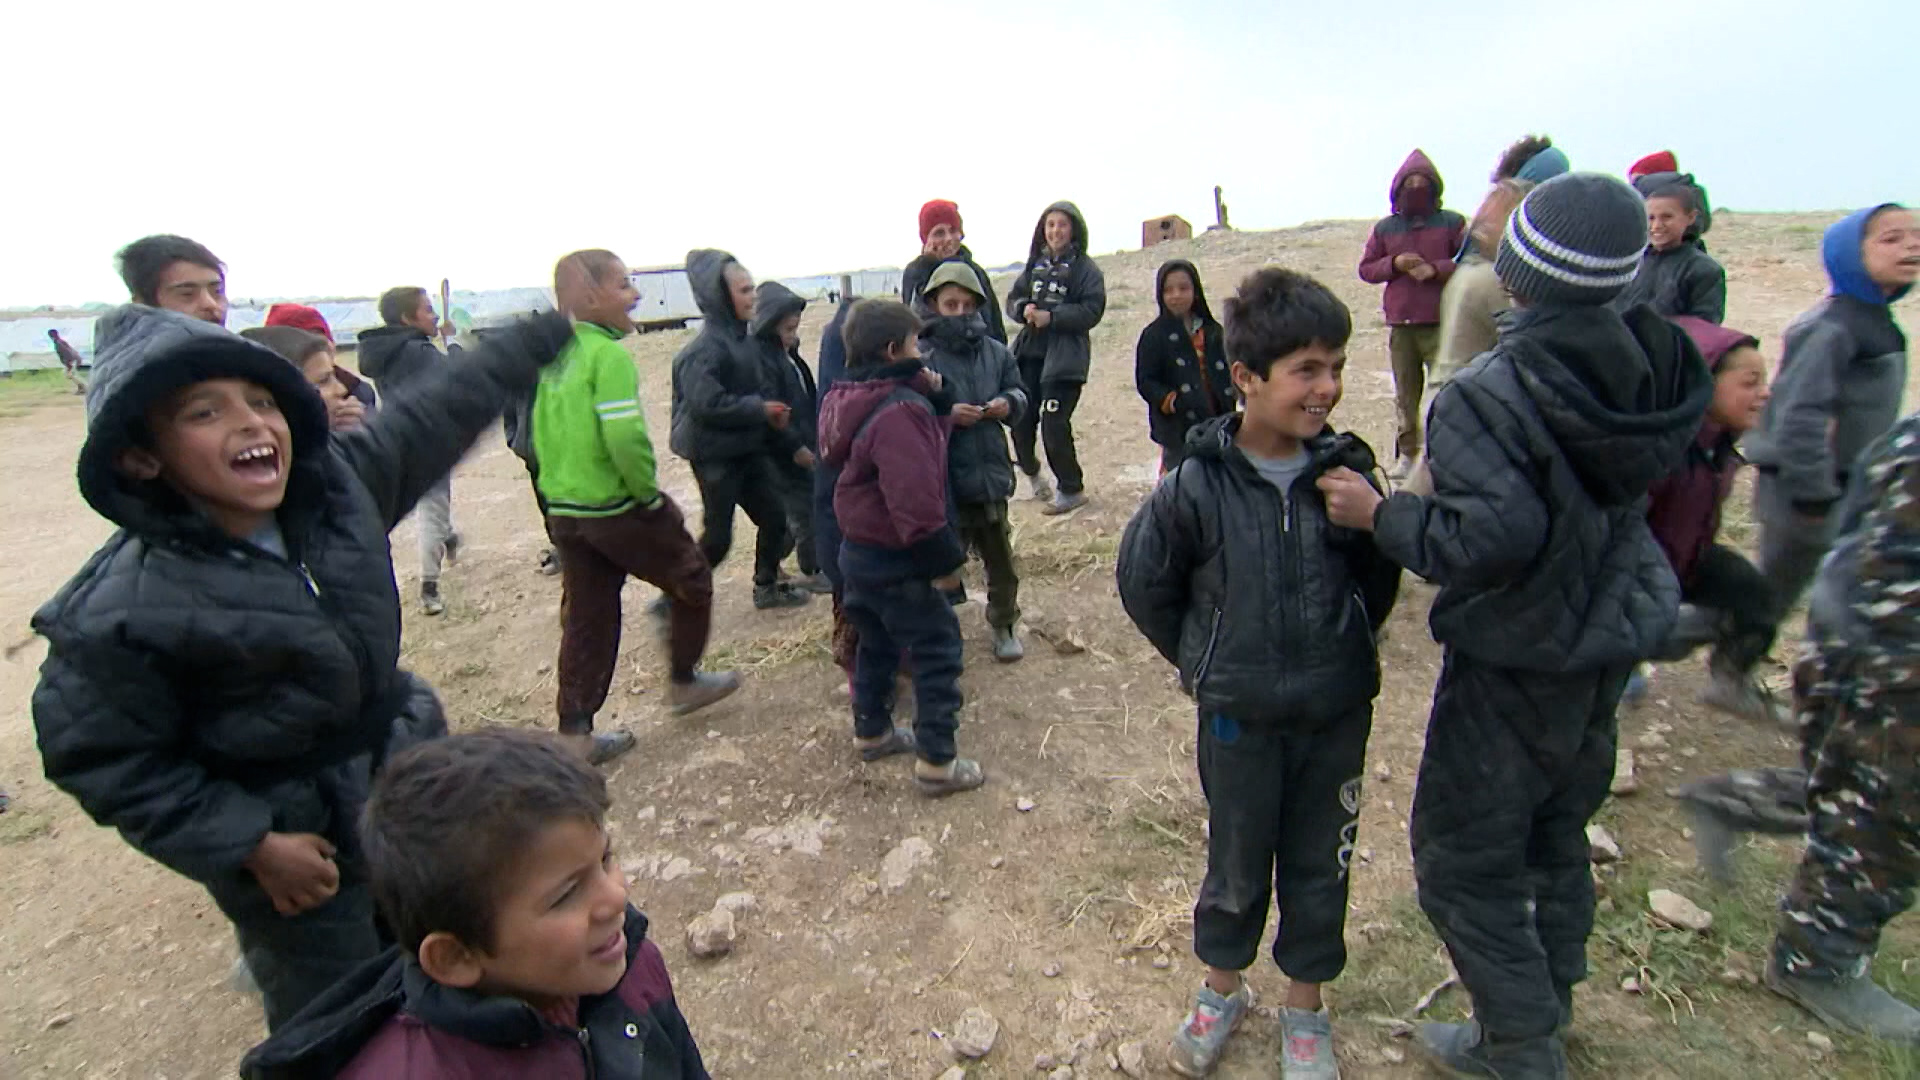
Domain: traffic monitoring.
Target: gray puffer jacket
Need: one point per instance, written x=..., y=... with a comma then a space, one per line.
x=977, y=369
x=1067, y=341
x=719, y=392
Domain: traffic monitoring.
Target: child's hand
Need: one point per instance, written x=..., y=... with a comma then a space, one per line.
x=967, y=415
x=997, y=409
x=1406, y=261
x=346, y=414
x=296, y=870
x=1422, y=271
x=778, y=415
x=948, y=583
x=1039, y=317
x=934, y=381
x=803, y=457
x=1351, y=501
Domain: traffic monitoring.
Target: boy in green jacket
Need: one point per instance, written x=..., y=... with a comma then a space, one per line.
x=606, y=512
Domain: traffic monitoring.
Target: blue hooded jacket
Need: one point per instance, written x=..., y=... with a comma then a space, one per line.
x=1841, y=380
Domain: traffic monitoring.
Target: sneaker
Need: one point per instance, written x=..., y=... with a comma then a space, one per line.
x=450, y=549
x=602, y=747
x=1463, y=1050
x=430, y=598
x=705, y=689
x=1039, y=489
x=549, y=562
x=1638, y=684
x=1306, y=1046
x=1203, y=1034
x=1852, y=1003
x=1064, y=503
x=1006, y=645
x=815, y=583
x=779, y=595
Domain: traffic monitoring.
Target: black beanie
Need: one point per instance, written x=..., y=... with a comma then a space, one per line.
x=1576, y=239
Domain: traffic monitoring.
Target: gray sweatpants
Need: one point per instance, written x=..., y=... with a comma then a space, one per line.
x=434, y=518
x=1791, y=545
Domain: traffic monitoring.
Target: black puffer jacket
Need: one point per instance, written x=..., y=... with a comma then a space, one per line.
x=977, y=369
x=1067, y=342
x=1542, y=452
x=1268, y=609
x=199, y=691
x=399, y=357
x=785, y=373
x=913, y=282
x=1165, y=362
x=719, y=407
x=1681, y=281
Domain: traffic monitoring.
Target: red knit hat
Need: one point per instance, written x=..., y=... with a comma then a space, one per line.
x=1657, y=162
x=300, y=317
x=938, y=212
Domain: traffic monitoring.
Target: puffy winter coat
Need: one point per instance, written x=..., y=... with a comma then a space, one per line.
x=1542, y=452
x=399, y=357
x=1165, y=365
x=719, y=402
x=1435, y=236
x=1067, y=341
x=913, y=283
x=887, y=442
x=1268, y=609
x=784, y=371
x=976, y=370
x=1682, y=280
x=200, y=691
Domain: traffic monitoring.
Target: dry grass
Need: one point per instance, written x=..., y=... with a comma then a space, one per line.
x=799, y=641
x=1060, y=551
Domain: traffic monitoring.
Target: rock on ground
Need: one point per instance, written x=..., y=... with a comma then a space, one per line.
x=740, y=903
x=711, y=935
x=974, y=1034
x=1601, y=846
x=898, y=867
x=1677, y=911
x=1624, y=782
x=1133, y=1060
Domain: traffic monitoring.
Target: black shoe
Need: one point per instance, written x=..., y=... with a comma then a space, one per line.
x=1464, y=1050
x=450, y=548
x=779, y=595
x=603, y=748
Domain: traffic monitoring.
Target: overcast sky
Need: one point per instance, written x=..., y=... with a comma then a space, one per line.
x=340, y=148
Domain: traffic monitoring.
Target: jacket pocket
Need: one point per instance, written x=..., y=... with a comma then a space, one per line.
x=1206, y=655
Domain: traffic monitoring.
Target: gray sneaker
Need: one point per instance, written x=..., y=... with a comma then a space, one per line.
x=1006, y=645
x=1203, y=1034
x=1306, y=1046
x=1064, y=503
x=1039, y=489
x=1851, y=1003
x=706, y=688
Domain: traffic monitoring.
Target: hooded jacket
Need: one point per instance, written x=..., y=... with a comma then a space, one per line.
x=1434, y=236
x=1648, y=183
x=1165, y=364
x=1684, y=506
x=389, y=1021
x=719, y=402
x=200, y=691
x=1067, y=342
x=1681, y=281
x=1843, y=373
x=976, y=370
x=397, y=357
x=785, y=373
x=1268, y=609
x=1542, y=453
x=881, y=433
x=913, y=282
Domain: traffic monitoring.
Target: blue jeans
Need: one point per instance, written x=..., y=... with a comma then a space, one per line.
x=914, y=618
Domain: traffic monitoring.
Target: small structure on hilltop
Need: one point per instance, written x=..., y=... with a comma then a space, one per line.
x=1160, y=230
x=1219, y=211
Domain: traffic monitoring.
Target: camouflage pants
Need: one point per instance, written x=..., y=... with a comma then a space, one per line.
x=1861, y=746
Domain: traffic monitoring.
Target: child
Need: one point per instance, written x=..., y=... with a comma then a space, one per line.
x=398, y=355
x=1532, y=158
x=220, y=677
x=520, y=954
x=1659, y=170
x=899, y=550
x=1677, y=276
x=776, y=332
x=1843, y=371
x=1058, y=299
x=1237, y=534
x=302, y=317
x=1732, y=608
x=724, y=426
x=177, y=274
x=1473, y=299
x=1411, y=252
x=69, y=361
x=985, y=383
x=607, y=516
x=1660, y=161
x=314, y=357
x=941, y=237
x=1551, y=587
x=1180, y=362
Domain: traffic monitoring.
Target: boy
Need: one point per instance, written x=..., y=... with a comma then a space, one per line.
x=314, y=357
x=221, y=677
x=397, y=356
x=985, y=383
x=898, y=550
x=776, y=333
x=70, y=361
x=1233, y=535
x=605, y=511
x=724, y=426
x=1411, y=252
x=942, y=239
x=177, y=274
x=1551, y=587
x=1677, y=277
x=520, y=955
x=1058, y=299
x=302, y=317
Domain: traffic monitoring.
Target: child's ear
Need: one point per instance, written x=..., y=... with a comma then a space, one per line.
x=137, y=463
x=448, y=961
x=1242, y=377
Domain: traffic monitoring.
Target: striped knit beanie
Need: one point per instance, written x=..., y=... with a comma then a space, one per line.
x=1575, y=239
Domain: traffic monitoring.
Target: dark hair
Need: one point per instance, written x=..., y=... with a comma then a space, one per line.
x=1679, y=191
x=449, y=819
x=400, y=302
x=1277, y=312
x=591, y=265
x=873, y=325
x=289, y=341
x=142, y=262
x=1516, y=156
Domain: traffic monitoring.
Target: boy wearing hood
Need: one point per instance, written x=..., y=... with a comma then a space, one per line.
x=221, y=676
x=941, y=236
x=725, y=425
x=1180, y=362
x=1843, y=373
x=1411, y=252
x=984, y=381
x=1551, y=588
x=776, y=333
x=1058, y=299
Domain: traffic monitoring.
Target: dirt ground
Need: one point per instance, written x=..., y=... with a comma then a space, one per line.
x=1068, y=921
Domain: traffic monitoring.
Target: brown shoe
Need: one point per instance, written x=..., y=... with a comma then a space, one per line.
x=705, y=689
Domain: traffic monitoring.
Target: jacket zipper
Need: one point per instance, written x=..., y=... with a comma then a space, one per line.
x=1206, y=658
x=586, y=1050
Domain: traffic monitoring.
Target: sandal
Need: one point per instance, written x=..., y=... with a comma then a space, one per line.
x=899, y=741
x=966, y=776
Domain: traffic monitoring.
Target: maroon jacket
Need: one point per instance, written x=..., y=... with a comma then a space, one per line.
x=883, y=435
x=1434, y=234
x=1684, y=511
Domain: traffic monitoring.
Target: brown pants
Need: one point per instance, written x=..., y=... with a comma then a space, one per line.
x=597, y=555
x=1412, y=350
